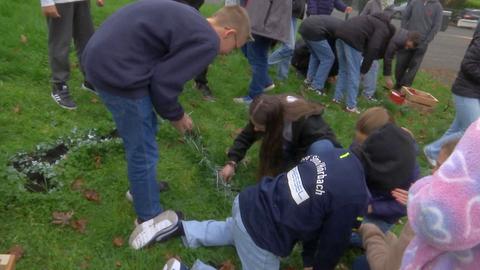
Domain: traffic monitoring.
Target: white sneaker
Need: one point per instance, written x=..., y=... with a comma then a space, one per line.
x=160, y=226
x=268, y=88
x=174, y=264
x=352, y=110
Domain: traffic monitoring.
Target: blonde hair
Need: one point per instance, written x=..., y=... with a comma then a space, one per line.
x=373, y=119
x=234, y=17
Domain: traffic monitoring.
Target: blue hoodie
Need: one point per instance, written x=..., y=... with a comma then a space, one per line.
x=316, y=203
x=150, y=47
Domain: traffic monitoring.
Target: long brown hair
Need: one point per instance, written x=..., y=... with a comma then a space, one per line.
x=373, y=119
x=271, y=112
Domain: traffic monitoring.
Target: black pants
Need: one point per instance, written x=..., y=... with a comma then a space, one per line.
x=408, y=63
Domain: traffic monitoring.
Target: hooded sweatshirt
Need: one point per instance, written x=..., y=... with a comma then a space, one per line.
x=153, y=48
x=396, y=43
x=444, y=211
x=369, y=35
x=316, y=203
x=425, y=17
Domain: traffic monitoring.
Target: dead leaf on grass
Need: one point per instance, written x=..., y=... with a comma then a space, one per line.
x=79, y=225
x=98, y=162
x=118, y=241
x=235, y=133
x=23, y=39
x=17, y=251
x=94, y=100
x=92, y=195
x=62, y=218
x=77, y=184
x=227, y=265
x=118, y=264
x=17, y=109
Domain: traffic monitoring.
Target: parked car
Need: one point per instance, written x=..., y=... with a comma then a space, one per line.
x=468, y=14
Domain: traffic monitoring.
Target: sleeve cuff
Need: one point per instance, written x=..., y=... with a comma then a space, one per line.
x=46, y=3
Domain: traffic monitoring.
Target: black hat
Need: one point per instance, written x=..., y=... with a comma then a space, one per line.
x=388, y=157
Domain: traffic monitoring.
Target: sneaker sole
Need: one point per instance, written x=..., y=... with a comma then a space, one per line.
x=89, y=89
x=269, y=88
x=63, y=106
x=154, y=229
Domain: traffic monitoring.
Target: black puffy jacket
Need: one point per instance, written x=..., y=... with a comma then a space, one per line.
x=467, y=83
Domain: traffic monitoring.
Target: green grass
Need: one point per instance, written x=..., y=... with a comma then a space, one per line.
x=29, y=117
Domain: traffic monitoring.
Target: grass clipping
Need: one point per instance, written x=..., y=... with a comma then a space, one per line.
x=195, y=141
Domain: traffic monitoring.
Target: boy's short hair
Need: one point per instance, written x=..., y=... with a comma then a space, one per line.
x=235, y=17
x=414, y=37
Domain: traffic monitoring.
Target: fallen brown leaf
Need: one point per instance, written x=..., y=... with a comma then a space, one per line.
x=79, y=225
x=235, y=133
x=94, y=100
x=118, y=241
x=17, y=109
x=98, y=162
x=227, y=265
x=118, y=264
x=92, y=195
x=23, y=39
x=18, y=251
x=77, y=184
x=62, y=218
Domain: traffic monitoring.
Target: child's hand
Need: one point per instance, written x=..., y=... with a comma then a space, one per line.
x=184, y=124
x=400, y=195
x=50, y=11
x=348, y=10
x=100, y=3
x=389, y=82
x=227, y=172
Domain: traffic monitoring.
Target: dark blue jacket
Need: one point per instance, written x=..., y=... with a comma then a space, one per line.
x=150, y=47
x=316, y=203
x=324, y=7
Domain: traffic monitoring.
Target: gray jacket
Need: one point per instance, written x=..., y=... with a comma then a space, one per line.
x=425, y=17
x=397, y=42
x=270, y=18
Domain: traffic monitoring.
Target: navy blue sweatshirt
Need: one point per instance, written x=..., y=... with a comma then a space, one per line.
x=150, y=47
x=317, y=203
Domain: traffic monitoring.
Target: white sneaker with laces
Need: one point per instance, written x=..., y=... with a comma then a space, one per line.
x=160, y=226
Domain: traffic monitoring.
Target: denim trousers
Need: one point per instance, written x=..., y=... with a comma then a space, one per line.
x=283, y=55
x=467, y=111
x=257, y=56
x=370, y=80
x=230, y=232
x=349, y=61
x=136, y=123
x=320, y=63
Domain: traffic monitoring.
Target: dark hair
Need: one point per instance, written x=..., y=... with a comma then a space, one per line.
x=414, y=37
x=271, y=111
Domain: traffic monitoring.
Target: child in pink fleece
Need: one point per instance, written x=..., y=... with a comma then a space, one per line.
x=444, y=211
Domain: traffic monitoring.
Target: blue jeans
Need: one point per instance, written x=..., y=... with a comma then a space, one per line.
x=356, y=238
x=257, y=56
x=229, y=232
x=349, y=61
x=136, y=123
x=320, y=63
x=361, y=263
x=467, y=111
x=283, y=55
x=370, y=80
